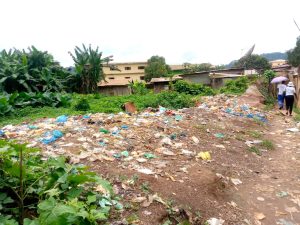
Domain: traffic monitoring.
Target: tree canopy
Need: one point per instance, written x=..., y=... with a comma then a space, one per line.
x=256, y=62
x=156, y=67
x=193, y=68
x=88, y=69
x=294, y=54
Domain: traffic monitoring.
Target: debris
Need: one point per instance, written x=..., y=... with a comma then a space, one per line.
x=294, y=130
x=214, y=221
x=130, y=107
x=195, y=140
x=146, y=171
x=259, y=216
x=260, y=199
x=148, y=155
x=285, y=222
x=282, y=194
x=219, y=135
x=62, y=119
x=204, y=155
x=166, y=141
x=236, y=181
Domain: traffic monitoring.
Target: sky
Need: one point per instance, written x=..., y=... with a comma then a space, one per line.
x=194, y=31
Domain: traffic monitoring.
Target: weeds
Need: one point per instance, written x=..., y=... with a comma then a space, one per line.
x=145, y=187
x=255, y=150
x=255, y=134
x=267, y=144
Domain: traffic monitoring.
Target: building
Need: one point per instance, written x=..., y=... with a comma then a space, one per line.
x=278, y=62
x=119, y=75
x=162, y=83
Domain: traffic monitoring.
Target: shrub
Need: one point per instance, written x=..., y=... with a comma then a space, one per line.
x=82, y=105
x=139, y=88
x=175, y=100
x=237, y=86
x=186, y=87
x=50, y=191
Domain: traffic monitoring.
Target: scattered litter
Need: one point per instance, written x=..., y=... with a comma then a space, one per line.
x=204, y=155
x=260, y=199
x=62, y=119
x=148, y=155
x=285, y=222
x=214, y=221
x=2, y=133
x=145, y=171
x=195, y=140
x=166, y=141
x=259, y=216
x=219, y=135
x=294, y=130
x=236, y=181
x=282, y=194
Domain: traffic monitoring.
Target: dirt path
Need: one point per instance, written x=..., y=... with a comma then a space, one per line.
x=273, y=195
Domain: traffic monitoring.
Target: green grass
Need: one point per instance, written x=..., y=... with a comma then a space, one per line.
x=267, y=144
x=255, y=134
x=297, y=116
x=255, y=150
x=102, y=104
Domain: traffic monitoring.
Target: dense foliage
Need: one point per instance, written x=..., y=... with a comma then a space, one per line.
x=30, y=71
x=256, y=62
x=46, y=192
x=139, y=88
x=88, y=69
x=193, y=68
x=82, y=105
x=156, y=67
x=294, y=54
x=269, y=75
x=10, y=102
x=186, y=87
x=237, y=86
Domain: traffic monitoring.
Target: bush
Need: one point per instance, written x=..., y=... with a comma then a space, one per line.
x=9, y=102
x=50, y=191
x=172, y=99
x=139, y=88
x=186, y=87
x=237, y=86
x=82, y=105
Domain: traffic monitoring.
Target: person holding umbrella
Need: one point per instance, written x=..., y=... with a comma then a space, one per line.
x=281, y=93
x=289, y=98
x=281, y=89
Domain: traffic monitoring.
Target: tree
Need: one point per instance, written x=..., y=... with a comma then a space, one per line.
x=294, y=54
x=193, y=68
x=156, y=67
x=256, y=62
x=88, y=68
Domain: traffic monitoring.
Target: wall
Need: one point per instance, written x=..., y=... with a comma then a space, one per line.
x=296, y=80
x=161, y=86
x=114, y=90
x=198, y=78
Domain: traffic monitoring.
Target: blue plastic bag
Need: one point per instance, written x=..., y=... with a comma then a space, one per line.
x=62, y=119
x=2, y=133
x=57, y=133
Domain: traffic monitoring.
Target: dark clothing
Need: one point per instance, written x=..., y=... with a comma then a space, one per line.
x=289, y=100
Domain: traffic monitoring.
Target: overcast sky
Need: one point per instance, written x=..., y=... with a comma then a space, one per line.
x=196, y=31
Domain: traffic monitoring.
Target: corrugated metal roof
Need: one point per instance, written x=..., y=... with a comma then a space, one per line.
x=164, y=79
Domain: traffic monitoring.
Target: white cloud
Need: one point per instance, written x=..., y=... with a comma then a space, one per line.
x=215, y=31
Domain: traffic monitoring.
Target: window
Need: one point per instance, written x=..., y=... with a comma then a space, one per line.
x=142, y=77
x=141, y=67
x=111, y=78
x=127, y=77
x=127, y=68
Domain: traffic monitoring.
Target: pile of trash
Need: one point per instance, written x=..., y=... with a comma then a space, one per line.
x=232, y=106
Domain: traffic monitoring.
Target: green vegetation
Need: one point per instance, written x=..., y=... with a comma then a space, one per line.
x=156, y=67
x=267, y=144
x=193, y=68
x=105, y=104
x=255, y=150
x=10, y=102
x=297, y=116
x=294, y=54
x=237, y=86
x=186, y=87
x=38, y=191
x=30, y=71
x=255, y=134
x=89, y=69
x=82, y=105
x=256, y=62
x=269, y=75
x=139, y=88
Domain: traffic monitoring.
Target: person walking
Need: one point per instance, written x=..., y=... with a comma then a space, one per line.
x=290, y=92
x=281, y=92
